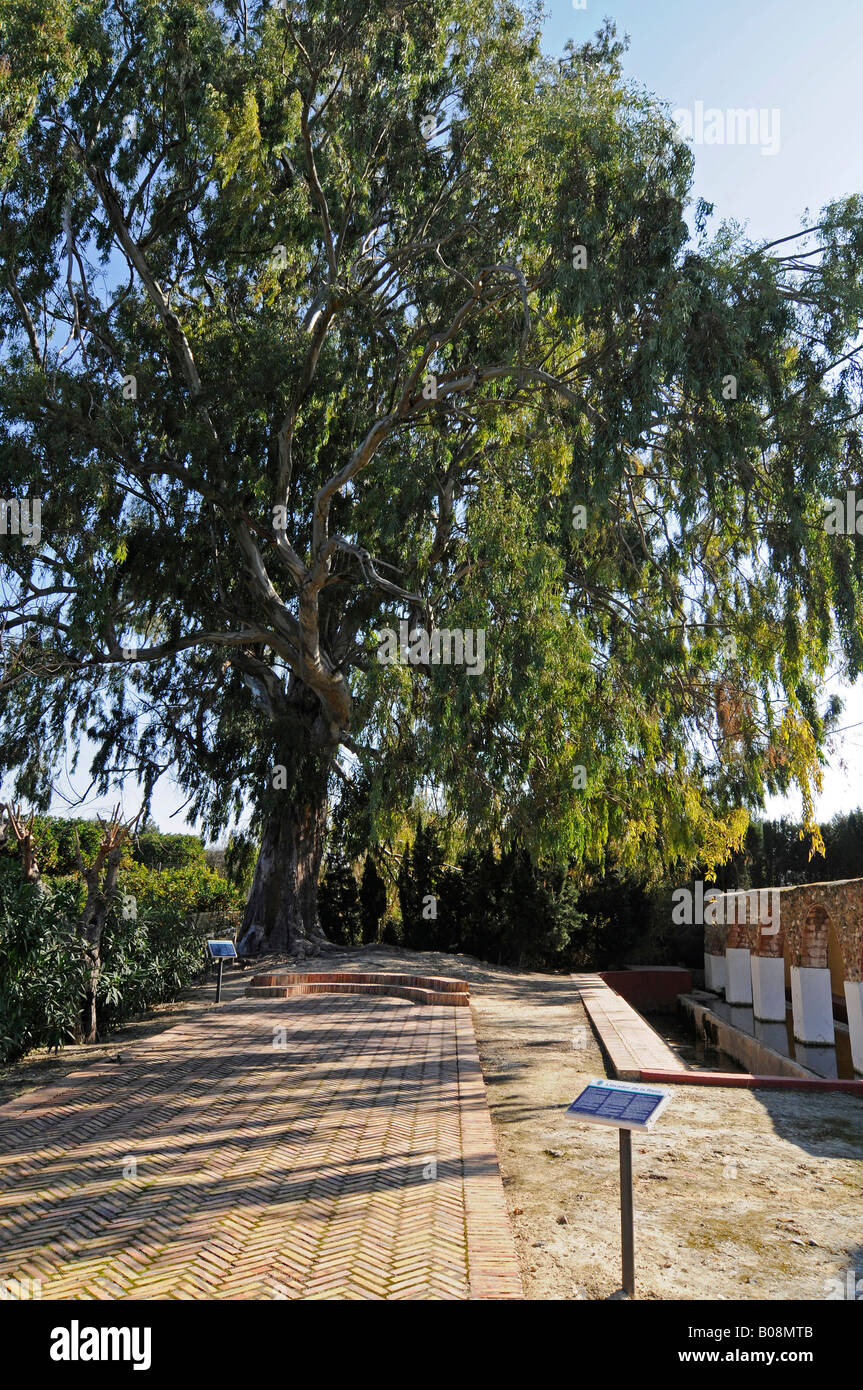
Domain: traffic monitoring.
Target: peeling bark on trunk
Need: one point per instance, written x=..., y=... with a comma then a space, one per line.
x=90, y=928
x=88, y=1030
x=282, y=911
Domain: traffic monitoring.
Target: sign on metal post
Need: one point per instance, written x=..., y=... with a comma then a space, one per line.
x=221, y=951
x=620, y=1103
x=627, y=1106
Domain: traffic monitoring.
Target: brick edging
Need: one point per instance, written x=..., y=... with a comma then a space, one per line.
x=492, y=1261
x=420, y=989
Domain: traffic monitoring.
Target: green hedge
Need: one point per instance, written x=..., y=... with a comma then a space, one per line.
x=42, y=968
x=151, y=950
x=158, y=851
x=54, y=843
x=192, y=888
x=149, y=959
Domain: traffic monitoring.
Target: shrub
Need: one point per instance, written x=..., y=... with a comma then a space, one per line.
x=54, y=843
x=149, y=959
x=339, y=903
x=391, y=933
x=241, y=856
x=151, y=951
x=193, y=888
x=157, y=851
x=42, y=968
x=499, y=907
x=54, y=846
x=373, y=899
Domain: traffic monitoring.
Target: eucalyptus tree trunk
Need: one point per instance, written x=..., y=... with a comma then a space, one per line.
x=282, y=911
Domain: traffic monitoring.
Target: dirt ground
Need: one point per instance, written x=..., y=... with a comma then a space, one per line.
x=738, y=1194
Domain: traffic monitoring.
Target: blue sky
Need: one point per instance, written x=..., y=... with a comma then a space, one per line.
x=804, y=61
x=787, y=56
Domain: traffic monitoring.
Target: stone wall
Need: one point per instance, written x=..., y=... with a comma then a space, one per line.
x=805, y=912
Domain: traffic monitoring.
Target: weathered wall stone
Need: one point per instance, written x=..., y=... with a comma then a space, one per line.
x=805, y=914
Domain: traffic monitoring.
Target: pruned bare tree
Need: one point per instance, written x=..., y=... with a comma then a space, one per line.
x=100, y=879
x=11, y=818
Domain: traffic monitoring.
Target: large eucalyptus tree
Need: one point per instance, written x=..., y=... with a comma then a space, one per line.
x=318, y=318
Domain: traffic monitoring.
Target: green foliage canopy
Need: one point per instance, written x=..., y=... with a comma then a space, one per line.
x=245, y=209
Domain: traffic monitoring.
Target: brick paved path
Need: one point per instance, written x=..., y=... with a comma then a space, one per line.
x=356, y=1160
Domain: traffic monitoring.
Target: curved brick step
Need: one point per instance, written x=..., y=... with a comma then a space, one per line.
x=375, y=977
x=421, y=989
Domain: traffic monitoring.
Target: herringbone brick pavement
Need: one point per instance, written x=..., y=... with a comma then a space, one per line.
x=323, y=1147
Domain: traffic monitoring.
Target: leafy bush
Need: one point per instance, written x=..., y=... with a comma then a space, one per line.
x=158, y=851
x=339, y=903
x=54, y=845
x=151, y=951
x=149, y=959
x=42, y=968
x=391, y=932
x=241, y=856
x=350, y=912
x=193, y=888
x=500, y=907
x=373, y=900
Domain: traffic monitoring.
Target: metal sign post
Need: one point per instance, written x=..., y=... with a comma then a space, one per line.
x=221, y=951
x=627, y=1233
x=627, y=1106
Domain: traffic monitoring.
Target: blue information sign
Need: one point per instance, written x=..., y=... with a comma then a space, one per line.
x=620, y=1103
x=221, y=948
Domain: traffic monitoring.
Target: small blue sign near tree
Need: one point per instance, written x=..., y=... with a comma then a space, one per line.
x=220, y=951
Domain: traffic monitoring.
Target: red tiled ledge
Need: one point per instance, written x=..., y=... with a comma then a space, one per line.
x=747, y=1079
x=421, y=989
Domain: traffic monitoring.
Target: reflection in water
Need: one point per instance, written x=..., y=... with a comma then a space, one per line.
x=830, y=1062
x=695, y=1051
